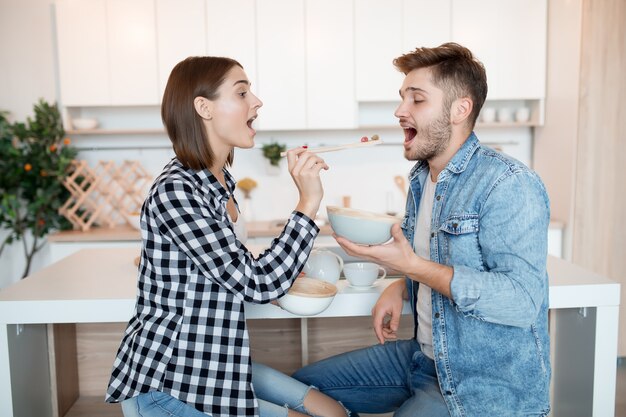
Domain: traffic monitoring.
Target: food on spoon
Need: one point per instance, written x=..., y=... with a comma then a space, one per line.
x=364, y=139
x=375, y=137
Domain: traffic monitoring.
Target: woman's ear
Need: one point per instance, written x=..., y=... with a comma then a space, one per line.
x=203, y=107
x=461, y=110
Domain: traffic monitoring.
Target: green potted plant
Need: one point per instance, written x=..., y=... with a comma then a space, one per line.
x=34, y=159
x=272, y=152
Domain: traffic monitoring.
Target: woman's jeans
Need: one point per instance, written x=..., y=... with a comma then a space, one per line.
x=275, y=391
x=395, y=376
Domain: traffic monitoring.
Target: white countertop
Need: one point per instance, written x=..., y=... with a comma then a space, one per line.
x=99, y=285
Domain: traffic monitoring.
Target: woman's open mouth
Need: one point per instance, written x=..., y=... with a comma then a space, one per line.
x=249, y=123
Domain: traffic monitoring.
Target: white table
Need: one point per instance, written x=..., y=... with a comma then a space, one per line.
x=99, y=285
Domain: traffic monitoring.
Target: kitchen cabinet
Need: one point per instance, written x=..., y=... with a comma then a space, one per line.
x=330, y=98
x=510, y=38
x=107, y=52
x=180, y=34
x=425, y=23
x=234, y=41
x=378, y=40
x=131, y=34
x=281, y=64
x=386, y=30
x=315, y=64
x=82, y=52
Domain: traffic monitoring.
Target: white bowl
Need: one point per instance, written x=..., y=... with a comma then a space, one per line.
x=84, y=124
x=359, y=226
x=308, y=297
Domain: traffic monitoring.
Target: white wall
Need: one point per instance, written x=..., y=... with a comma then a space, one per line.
x=26, y=55
x=27, y=73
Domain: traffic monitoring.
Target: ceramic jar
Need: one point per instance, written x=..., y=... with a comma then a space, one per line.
x=323, y=264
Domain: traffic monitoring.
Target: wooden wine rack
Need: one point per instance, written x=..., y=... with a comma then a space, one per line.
x=106, y=195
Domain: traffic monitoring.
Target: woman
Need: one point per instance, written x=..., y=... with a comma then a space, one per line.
x=186, y=351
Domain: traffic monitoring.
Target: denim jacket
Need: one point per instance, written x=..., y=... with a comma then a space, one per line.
x=490, y=223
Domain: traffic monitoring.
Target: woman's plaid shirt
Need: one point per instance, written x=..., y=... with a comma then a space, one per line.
x=188, y=334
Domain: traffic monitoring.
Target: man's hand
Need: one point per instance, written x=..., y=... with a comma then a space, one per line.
x=387, y=311
x=396, y=255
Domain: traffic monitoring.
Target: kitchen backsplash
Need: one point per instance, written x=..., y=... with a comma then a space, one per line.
x=366, y=175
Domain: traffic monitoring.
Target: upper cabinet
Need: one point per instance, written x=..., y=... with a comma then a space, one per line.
x=305, y=64
x=131, y=34
x=387, y=29
x=180, y=34
x=330, y=97
x=231, y=31
x=425, y=23
x=316, y=64
x=281, y=64
x=82, y=51
x=107, y=52
x=378, y=40
x=510, y=38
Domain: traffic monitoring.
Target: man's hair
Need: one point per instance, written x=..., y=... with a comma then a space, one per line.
x=455, y=70
x=199, y=76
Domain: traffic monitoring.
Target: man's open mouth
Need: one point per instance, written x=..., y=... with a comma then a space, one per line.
x=409, y=134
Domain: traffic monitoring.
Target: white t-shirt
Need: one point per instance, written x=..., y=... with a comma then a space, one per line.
x=241, y=231
x=421, y=243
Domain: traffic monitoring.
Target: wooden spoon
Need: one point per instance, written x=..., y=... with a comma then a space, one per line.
x=401, y=183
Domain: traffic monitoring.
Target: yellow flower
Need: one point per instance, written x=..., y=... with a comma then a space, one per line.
x=246, y=185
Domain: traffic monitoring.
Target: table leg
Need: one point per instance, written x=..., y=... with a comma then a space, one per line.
x=605, y=369
x=6, y=396
x=573, y=365
x=304, y=340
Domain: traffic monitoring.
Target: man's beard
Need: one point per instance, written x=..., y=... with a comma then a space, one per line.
x=433, y=139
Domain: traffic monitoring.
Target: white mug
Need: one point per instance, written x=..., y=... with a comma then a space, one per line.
x=488, y=114
x=522, y=114
x=505, y=114
x=363, y=274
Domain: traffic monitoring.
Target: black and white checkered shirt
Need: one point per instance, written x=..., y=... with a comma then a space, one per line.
x=188, y=334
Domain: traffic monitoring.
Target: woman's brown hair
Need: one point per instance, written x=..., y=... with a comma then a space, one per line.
x=455, y=70
x=197, y=76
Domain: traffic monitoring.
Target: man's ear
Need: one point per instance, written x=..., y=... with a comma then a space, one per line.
x=203, y=107
x=461, y=110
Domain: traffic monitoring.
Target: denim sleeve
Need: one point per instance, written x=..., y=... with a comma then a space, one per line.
x=512, y=236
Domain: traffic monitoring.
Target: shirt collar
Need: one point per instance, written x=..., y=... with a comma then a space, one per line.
x=210, y=185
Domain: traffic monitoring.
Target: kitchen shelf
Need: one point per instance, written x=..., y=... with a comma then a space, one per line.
x=115, y=132
x=478, y=125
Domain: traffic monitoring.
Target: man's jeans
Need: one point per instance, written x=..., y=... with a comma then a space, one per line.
x=275, y=391
x=395, y=376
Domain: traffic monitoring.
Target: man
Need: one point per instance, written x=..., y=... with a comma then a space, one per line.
x=473, y=246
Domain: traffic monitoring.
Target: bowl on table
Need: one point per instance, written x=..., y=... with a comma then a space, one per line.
x=360, y=226
x=308, y=296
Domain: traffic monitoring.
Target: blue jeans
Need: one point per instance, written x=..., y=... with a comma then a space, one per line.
x=395, y=376
x=275, y=391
